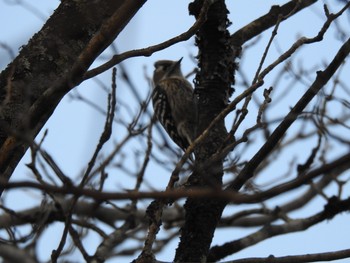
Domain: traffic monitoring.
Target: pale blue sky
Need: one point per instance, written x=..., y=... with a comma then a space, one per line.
x=74, y=127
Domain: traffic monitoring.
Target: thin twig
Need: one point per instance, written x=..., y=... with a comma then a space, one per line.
x=257, y=84
x=151, y=49
x=107, y=131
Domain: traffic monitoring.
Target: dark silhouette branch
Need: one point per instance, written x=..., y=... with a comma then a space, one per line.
x=148, y=51
x=322, y=78
x=334, y=207
x=317, y=257
x=268, y=20
x=56, y=71
x=337, y=166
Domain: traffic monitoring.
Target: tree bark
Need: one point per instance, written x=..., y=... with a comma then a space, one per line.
x=213, y=88
x=50, y=65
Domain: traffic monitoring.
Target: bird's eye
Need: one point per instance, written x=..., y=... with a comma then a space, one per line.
x=164, y=67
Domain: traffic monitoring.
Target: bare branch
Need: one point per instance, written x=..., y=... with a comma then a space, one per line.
x=15, y=255
x=150, y=50
x=333, y=207
x=270, y=19
x=321, y=79
x=317, y=257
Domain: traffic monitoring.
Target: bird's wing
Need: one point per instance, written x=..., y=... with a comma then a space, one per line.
x=183, y=108
x=163, y=111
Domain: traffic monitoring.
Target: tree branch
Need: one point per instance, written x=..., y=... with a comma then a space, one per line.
x=54, y=69
x=268, y=20
x=148, y=51
x=333, y=208
x=322, y=78
x=317, y=257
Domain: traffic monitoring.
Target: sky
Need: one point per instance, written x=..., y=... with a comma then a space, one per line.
x=74, y=128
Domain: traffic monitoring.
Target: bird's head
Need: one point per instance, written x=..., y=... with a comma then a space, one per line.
x=165, y=69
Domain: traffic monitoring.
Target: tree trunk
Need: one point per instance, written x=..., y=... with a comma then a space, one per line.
x=213, y=88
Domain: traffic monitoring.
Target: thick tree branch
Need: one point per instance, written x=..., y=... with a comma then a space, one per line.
x=268, y=20
x=47, y=68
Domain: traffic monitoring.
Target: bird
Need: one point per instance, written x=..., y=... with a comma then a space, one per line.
x=174, y=102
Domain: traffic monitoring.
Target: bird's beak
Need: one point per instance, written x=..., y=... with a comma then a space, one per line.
x=176, y=65
x=178, y=62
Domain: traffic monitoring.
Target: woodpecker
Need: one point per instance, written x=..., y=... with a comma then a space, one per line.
x=173, y=102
